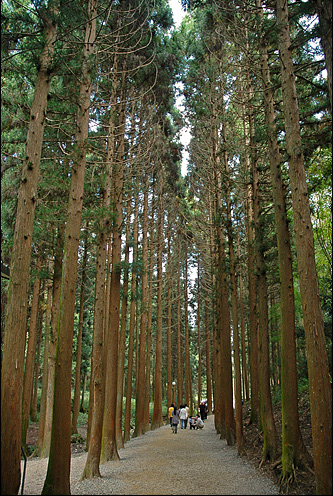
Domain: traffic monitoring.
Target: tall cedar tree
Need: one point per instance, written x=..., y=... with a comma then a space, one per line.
x=16, y=311
x=294, y=452
x=319, y=378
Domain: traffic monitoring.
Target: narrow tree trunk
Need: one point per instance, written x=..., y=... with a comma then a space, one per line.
x=47, y=335
x=34, y=396
x=246, y=393
x=16, y=309
x=150, y=314
x=270, y=447
x=187, y=334
x=234, y=299
x=179, y=337
x=169, y=321
x=77, y=388
x=208, y=361
x=254, y=349
x=141, y=374
x=157, y=420
x=44, y=448
x=31, y=353
x=109, y=442
x=199, y=337
x=127, y=422
x=319, y=379
x=122, y=332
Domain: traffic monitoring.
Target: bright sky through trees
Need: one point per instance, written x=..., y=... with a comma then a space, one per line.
x=185, y=135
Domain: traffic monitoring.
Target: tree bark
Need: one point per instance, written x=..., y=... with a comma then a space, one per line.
x=141, y=375
x=31, y=353
x=45, y=437
x=180, y=389
x=319, y=379
x=157, y=419
x=109, y=442
x=208, y=361
x=254, y=345
x=127, y=422
x=77, y=387
x=270, y=446
x=47, y=336
x=16, y=309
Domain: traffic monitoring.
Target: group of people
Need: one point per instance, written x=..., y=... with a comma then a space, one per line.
x=181, y=415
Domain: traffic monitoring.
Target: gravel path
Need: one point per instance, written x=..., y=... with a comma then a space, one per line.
x=160, y=462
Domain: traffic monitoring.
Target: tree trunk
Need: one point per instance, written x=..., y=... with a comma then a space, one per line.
x=77, y=388
x=187, y=335
x=47, y=336
x=34, y=396
x=16, y=309
x=150, y=315
x=319, y=379
x=208, y=362
x=254, y=345
x=31, y=353
x=58, y=473
x=157, y=420
x=179, y=337
x=141, y=373
x=246, y=393
x=294, y=452
x=270, y=447
x=44, y=448
x=169, y=322
x=127, y=422
x=199, y=337
x=234, y=299
x=109, y=442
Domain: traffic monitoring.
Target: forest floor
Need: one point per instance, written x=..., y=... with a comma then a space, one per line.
x=304, y=483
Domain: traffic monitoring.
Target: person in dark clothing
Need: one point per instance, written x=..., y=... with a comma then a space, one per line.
x=206, y=410
x=202, y=410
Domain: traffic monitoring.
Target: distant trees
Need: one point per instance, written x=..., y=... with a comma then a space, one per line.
x=247, y=55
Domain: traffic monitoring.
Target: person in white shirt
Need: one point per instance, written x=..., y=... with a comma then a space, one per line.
x=183, y=417
x=188, y=414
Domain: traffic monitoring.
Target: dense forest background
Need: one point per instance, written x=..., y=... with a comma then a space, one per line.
x=126, y=285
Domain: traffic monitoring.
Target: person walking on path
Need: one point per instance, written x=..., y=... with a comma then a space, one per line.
x=202, y=410
x=170, y=411
x=188, y=414
x=174, y=421
x=183, y=417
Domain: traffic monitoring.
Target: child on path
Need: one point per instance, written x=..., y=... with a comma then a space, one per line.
x=192, y=424
x=175, y=420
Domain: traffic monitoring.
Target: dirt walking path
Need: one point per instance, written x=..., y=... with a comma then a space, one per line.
x=160, y=462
